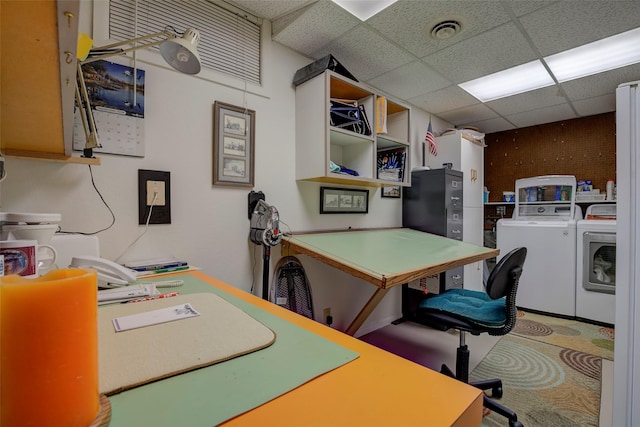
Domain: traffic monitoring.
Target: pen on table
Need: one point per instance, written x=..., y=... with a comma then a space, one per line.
x=151, y=298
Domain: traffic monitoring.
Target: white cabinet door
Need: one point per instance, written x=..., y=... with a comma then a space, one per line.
x=473, y=219
x=472, y=162
x=467, y=157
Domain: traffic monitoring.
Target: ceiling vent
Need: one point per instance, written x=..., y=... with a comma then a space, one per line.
x=445, y=29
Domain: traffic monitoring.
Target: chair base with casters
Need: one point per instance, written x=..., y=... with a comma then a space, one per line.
x=475, y=312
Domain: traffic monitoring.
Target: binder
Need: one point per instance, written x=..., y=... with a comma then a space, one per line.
x=318, y=67
x=350, y=116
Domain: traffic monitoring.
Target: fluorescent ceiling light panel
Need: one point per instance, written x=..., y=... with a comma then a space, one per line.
x=512, y=81
x=603, y=55
x=364, y=9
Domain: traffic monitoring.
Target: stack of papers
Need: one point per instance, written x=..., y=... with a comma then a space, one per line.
x=157, y=266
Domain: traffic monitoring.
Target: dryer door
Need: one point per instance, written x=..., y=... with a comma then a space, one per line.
x=599, y=263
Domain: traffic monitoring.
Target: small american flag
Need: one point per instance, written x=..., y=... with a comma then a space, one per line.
x=431, y=140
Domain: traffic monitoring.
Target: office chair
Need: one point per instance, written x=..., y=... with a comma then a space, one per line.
x=476, y=312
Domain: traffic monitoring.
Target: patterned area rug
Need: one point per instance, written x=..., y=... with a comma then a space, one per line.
x=567, y=333
x=551, y=371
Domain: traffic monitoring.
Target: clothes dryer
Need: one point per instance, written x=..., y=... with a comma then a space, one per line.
x=596, y=264
x=547, y=229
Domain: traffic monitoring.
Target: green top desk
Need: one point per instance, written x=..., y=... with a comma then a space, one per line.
x=385, y=257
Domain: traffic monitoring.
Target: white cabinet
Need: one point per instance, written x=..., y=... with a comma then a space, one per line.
x=322, y=139
x=467, y=156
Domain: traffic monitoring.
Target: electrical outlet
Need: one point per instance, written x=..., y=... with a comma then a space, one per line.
x=326, y=313
x=154, y=197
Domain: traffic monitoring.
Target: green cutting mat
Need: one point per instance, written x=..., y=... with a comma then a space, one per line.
x=212, y=395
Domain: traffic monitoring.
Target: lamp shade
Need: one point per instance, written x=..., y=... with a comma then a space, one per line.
x=181, y=53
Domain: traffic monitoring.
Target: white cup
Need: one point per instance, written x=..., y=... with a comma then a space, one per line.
x=26, y=257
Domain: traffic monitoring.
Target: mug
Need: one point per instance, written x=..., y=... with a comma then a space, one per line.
x=26, y=257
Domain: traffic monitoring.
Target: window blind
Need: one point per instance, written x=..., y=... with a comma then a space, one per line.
x=229, y=41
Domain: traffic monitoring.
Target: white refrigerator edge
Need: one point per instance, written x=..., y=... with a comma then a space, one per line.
x=626, y=377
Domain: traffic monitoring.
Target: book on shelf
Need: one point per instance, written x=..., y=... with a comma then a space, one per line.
x=381, y=115
x=391, y=164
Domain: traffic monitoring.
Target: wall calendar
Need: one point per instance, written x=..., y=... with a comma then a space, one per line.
x=116, y=93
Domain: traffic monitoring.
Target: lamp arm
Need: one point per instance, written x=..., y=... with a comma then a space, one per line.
x=168, y=34
x=83, y=96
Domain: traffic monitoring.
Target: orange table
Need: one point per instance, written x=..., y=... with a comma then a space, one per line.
x=376, y=389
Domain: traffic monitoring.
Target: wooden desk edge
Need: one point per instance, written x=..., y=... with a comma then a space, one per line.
x=470, y=416
x=382, y=281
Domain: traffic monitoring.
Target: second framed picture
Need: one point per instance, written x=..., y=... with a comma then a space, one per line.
x=233, y=145
x=393, y=192
x=343, y=200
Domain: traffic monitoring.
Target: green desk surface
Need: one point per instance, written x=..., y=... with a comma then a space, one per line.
x=214, y=394
x=387, y=257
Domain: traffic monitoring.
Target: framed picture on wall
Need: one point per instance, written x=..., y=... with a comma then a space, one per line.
x=233, y=145
x=343, y=200
x=391, y=192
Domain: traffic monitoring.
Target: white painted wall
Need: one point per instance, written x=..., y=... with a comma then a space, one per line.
x=209, y=224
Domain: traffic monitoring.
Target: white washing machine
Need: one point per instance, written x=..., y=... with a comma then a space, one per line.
x=547, y=228
x=596, y=264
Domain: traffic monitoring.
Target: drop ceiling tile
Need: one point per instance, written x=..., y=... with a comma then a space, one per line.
x=533, y=100
x=497, y=124
x=279, y=24
x=409, y=80
x=544, y=115
x=520, y=7
x=570, y=23
x=597, y=105
x=461, y=62
x=365, y=53
x=316, y=27
x=447, y=99
x=470, y=114
x=600, y=84
x=409, y=23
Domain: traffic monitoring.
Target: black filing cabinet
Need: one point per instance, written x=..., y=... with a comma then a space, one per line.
x=433, y=204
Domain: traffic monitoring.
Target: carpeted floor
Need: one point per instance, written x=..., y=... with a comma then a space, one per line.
x=550, y=369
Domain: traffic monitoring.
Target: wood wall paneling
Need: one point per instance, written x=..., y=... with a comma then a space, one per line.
x=584, y=147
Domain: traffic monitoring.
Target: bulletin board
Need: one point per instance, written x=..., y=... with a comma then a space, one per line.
x=116, y=93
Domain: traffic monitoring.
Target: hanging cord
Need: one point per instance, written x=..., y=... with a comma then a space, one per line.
x=113, y=217
x=253, y=266
x=146, y=228
x=243, y=67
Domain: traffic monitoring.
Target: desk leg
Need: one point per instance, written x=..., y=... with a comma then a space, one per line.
x=366, y=311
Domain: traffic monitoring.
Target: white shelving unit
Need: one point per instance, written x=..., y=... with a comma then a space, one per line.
x=318, y=142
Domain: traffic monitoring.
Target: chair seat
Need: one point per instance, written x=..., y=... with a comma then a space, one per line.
x=473, y=306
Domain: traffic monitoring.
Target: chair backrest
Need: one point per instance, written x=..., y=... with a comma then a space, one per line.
x=503, y=282
x=501, y=278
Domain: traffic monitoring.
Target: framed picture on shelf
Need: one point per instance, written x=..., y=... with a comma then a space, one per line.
x=233, y=145
x=343, y=200
x=393, y=192
x=391, y=163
